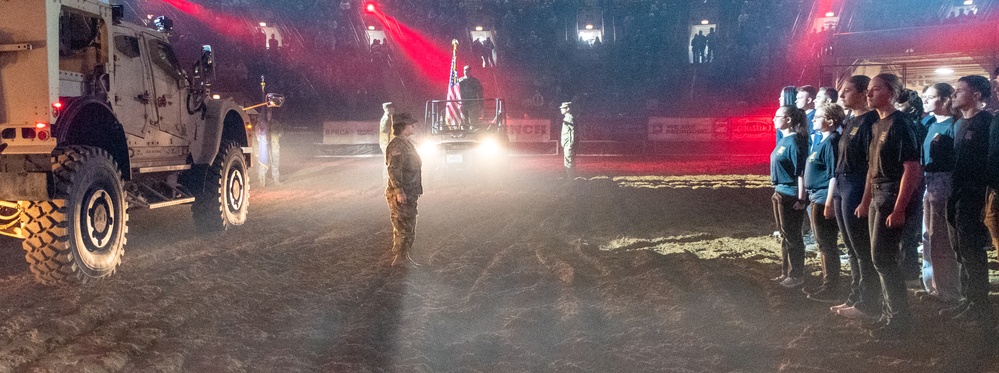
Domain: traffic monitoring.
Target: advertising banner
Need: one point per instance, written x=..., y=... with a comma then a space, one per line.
x=528, y=130
x=750, y=128
x=681, y=129
x=350, y=133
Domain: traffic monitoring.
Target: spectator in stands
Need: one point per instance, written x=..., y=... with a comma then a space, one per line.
x=819, y=174
x=487, y=52
x=892, y=180
x=941, y=272
x=477, y=51
x=710, y=43
x=272, y=43
x=965, y=210
x=864, y=301
x=787, y=166
x=697, y=45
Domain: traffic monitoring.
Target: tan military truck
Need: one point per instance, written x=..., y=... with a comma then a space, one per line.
x=97, y=117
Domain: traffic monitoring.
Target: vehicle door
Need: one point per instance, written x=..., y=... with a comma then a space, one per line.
x=133, y=100
x=169, y=88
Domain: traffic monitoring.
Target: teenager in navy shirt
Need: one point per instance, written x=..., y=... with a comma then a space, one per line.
x=941, y=272
x=787, y=166
x=787, y=97
x=819, y=172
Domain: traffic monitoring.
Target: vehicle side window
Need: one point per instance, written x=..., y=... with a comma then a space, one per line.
x=162, y=56
x=127, y=45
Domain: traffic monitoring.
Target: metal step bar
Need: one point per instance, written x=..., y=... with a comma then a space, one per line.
x=149, y=170
x=171, y=203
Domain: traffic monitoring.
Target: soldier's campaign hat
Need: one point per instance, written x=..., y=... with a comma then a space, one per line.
x=565, y=105
x=399, y=121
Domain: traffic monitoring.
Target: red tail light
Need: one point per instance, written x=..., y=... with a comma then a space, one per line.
x=56, y=108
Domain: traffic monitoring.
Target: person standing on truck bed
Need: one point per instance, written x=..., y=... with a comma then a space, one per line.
x=471, y=98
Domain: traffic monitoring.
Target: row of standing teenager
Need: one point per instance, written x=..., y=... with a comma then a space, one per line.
x=868, y=173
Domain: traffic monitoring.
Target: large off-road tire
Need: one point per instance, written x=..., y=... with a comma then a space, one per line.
x=226, y=195
x=80, y=235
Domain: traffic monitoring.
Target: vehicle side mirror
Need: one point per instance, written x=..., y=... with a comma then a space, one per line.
x=275, y=100
x=201, y=81
x=117, y=13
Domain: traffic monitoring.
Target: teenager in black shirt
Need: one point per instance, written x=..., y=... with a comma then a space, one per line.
x=864, y=301
x=965, y=210
x=893, y=175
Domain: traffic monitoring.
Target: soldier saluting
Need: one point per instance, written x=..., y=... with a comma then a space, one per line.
x=569, y=140
x=405, y=185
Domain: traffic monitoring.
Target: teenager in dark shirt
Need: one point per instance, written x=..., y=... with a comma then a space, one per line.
x=910, y=104
x=941, y=272
x=965, y=211
x=893, y=175
x=819, y=172
x=787, y=97
x=787, y=165
x=864, y=301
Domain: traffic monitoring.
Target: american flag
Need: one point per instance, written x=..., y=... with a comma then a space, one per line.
x=453, y=95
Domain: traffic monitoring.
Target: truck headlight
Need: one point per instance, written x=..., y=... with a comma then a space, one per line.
x=490, y=147
x=427, y=149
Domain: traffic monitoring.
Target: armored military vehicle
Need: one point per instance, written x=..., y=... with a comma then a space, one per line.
x=98, y=117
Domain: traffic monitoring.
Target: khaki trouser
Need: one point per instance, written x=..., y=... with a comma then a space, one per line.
x=569, y=147
x=403, y=216
x=992, y=218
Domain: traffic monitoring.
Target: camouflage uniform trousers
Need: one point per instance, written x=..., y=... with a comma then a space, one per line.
x=569, y=142
x=403, y=216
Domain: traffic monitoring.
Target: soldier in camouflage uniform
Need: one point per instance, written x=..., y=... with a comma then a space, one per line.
x=404, y=186
x=569, y=140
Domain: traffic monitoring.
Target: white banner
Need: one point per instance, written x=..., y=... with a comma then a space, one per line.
x=528, y=130
x=681, y=129
x=350, y=133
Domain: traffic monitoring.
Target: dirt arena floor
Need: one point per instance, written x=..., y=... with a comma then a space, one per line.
x=638, y=266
